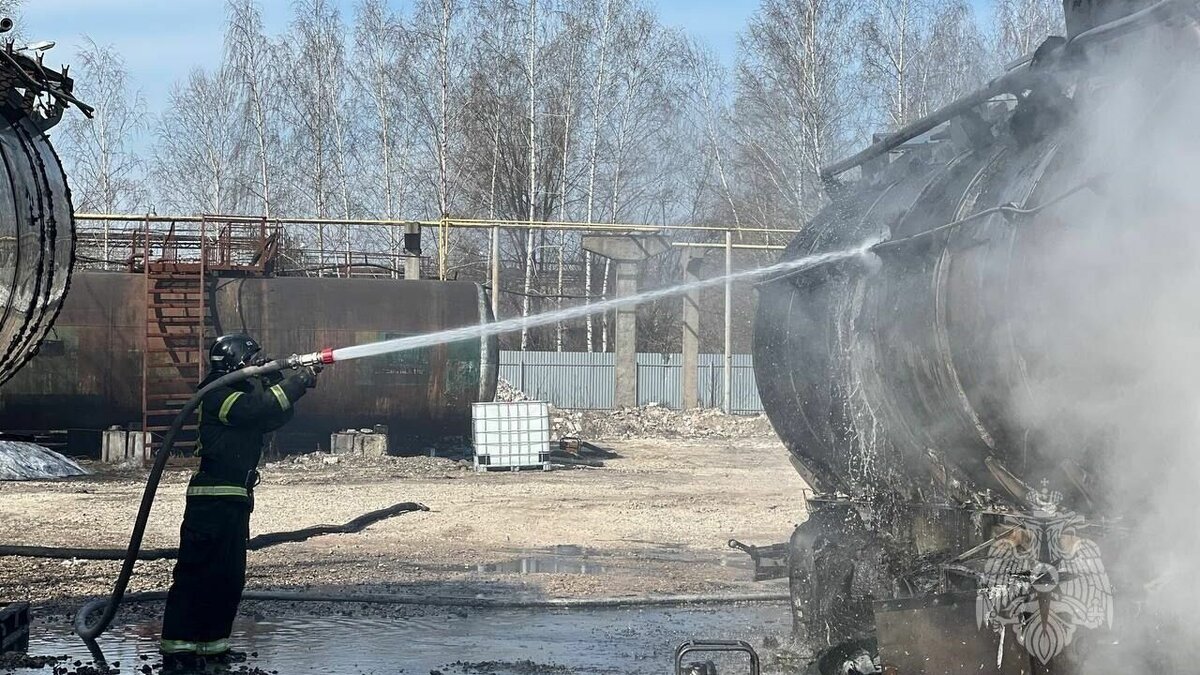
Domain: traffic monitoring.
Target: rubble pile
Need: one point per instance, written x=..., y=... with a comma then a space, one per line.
x=658, y=421
x=650, y=421
x=507, y=393
x=405, y=467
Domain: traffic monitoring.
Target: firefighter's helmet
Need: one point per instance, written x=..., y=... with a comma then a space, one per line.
x=232, y=352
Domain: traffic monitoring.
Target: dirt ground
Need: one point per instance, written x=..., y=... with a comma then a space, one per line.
x=657, y=520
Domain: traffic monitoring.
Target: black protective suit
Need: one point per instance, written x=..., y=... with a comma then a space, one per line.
x=210, y=573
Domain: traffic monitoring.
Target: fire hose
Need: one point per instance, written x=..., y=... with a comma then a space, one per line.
x=92, y=630
x=256, y=543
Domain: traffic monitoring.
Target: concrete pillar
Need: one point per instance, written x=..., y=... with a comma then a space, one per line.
x=689, y=378
x=118, y=445
x=412, y=251
x=627, y=251
x=625, y=342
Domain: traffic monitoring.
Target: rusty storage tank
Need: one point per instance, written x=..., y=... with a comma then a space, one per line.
x=37, y=228
x=89, y=375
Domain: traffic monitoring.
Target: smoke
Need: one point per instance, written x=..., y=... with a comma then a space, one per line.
x=1106, y=309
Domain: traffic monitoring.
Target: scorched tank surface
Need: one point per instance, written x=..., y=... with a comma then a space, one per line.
x=37, y=227
x=998, y=407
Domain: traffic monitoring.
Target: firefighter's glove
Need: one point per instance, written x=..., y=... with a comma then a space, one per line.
x=307, y=376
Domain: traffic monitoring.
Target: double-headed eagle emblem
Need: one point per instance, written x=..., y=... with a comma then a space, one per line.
x=1043, y=580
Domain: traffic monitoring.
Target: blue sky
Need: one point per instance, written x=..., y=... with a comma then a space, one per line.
x=162, y=40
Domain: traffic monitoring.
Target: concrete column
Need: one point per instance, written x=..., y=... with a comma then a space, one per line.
x=412, y=251
x=689, y=378
x=627, y=251
x=625, y=342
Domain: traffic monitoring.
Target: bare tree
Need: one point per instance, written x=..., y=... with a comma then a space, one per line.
x=380, y=54
x=794, y=107
x=103, y=162
x=600, y=84
x=434, y=87
x=12, y=10
x=251, y=60
x=532, y=79
x=196, y=157
x=1022, y=25
x=892, y=42
x=314, y=83
x=954, y=61
x=710, y=109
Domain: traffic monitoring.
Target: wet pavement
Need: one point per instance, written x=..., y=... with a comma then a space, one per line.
x=573, y=559
x=517, y=642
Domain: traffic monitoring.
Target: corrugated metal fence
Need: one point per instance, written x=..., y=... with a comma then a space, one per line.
x=585, y=381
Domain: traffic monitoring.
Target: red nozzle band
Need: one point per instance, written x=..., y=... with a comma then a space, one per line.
x=327, y=355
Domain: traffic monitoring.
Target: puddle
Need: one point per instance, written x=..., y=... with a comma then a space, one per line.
x=495, y=641
x=559, y=560
x=570, y=559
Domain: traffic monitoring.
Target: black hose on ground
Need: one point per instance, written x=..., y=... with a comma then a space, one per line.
x=90, y=631
x=496, y=603
x=254, y=544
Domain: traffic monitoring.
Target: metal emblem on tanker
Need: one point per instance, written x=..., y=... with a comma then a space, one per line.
x=1044, y=580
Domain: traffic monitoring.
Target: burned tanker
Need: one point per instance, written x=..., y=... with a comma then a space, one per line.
x=37, y=231
x=987, y=409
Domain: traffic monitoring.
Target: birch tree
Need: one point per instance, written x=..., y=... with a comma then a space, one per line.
x=892, y=42
x=954, y=62
x=196, y=157
x=434, y=87
x=1022, y=25
x=794, y=109
x=101, y=153
x=251, y=62
x=710, y=104
x=314, y=74
x=380, y=55
x=598, y=113
x=531, y=74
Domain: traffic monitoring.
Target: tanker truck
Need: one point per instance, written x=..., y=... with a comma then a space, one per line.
x=996, y=412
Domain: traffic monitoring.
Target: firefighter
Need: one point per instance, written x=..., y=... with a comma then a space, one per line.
x=210, y=572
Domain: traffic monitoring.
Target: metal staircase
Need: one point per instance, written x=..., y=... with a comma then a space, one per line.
x=173, y=356
x=179, y=263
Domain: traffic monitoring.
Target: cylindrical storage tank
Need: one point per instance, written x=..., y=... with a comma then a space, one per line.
x=89, y=374
x=1054, y=346
x=424, y=392
x=37, y=241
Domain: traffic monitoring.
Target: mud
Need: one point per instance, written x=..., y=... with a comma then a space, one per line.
x=656, y=521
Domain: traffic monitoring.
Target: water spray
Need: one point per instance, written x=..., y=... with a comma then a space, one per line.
x=107, y=607
x=328, y=356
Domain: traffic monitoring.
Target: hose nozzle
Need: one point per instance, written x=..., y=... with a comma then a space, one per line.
x=321, y=358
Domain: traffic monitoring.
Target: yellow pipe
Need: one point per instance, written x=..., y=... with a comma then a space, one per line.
x=472, y=223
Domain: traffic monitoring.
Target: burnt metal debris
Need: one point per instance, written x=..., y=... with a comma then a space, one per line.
x=770, y=562
x=14, y=626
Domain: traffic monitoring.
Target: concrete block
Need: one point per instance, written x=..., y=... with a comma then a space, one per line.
x=365, y=442
x=118, y=445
